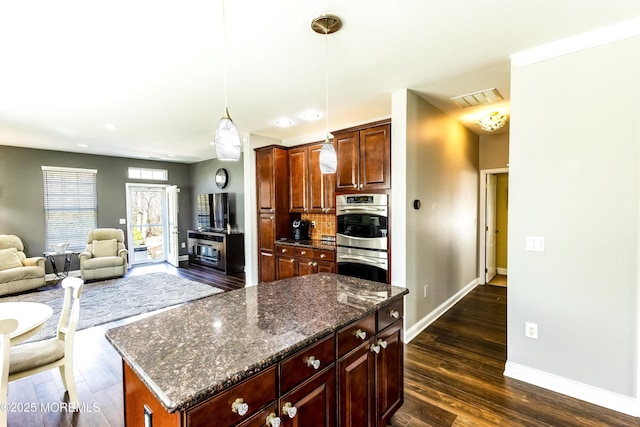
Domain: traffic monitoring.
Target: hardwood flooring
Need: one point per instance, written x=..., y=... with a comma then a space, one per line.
x=453, y=375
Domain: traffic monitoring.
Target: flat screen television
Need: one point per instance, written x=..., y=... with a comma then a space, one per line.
x=213, y=211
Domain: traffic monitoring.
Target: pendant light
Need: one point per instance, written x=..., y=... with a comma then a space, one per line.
x=327, y=24
x=227, y=138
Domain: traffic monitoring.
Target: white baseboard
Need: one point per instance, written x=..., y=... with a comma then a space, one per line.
x=502, y=271
x=422, y=324
x=597, y=396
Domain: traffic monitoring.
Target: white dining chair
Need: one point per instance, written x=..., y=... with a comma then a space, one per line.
x=57, y=352
x=7, y=326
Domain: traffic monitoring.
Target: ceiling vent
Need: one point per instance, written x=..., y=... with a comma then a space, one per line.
x=486, y=96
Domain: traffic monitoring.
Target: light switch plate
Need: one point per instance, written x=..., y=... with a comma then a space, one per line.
x=535, y=243
x=123, y=221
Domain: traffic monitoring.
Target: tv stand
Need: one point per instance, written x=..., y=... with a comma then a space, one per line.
x=222, y=251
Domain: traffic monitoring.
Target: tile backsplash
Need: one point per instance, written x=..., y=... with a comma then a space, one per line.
x=325, y=224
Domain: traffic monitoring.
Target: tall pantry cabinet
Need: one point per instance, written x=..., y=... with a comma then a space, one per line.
x=272, y=173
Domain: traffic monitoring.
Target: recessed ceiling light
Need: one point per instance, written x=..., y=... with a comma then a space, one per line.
x=283, y=123
x=110, y=126
x=310, y=115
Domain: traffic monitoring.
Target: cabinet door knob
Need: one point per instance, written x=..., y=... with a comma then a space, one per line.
x=355, y=185
x=292, y=260
x=323, y=256
x=312, y=362
x=361, y=334
x=239, y=407
x=394, y=313
x=284, y=251
x=303, y=252
x=315, y=264
x=289, y=409
x=273, y=420
x=310, y=262
x=382, y=343
x=375, y=348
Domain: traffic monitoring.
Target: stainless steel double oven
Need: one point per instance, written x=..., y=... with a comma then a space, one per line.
x=361, y=236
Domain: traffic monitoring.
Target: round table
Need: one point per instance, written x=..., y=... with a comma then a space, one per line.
x=31, y=316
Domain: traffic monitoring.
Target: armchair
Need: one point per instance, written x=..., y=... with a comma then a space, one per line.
x=17, y=271
x=105, y=255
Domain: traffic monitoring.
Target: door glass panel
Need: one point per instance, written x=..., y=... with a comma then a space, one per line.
x=147, y=214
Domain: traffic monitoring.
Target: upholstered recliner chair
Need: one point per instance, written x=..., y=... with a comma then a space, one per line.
x=105, y=255
x=18, y=273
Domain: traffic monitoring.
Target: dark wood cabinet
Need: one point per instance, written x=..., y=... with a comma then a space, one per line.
x=364, y=158
x=314, y=400
x=389, y=373
x=222, y=251
x=356, y=387
x=310, y=191
x=321, y=186
x=300, y=261
x=272, y=173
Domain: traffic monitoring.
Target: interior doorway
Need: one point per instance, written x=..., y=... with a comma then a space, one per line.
x=493, y=267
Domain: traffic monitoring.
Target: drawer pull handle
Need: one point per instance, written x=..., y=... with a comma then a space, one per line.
x=284, y=251
x=375, y=348
x=289, y=409
x=382, y=343
x=239, y=407
x=315, y=264
x=394, y=313
x=312, y=362
x=323, y=256
x=273, y=420
x=303, y=252
x=361, y=334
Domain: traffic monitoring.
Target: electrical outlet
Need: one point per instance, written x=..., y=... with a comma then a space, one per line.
x=426, y=291
x=313, y=224
x=531, y=330
x=183, y=245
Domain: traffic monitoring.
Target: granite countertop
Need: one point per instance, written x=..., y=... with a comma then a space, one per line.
x=310, y=243
x=189, y=353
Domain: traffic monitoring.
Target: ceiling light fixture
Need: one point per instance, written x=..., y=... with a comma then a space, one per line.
x=327, y=24
x=493, y=121
x=227, y=138
x=310, y=115
x=283, y=123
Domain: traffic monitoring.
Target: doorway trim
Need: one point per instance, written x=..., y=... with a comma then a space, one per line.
x=482, y=249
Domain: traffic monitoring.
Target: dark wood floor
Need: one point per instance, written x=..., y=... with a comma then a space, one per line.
x=453, y=375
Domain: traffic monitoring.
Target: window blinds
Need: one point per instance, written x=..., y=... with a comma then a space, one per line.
x=70, y=205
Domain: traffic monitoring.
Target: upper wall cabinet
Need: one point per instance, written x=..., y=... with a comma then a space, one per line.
x=364, y=158
x=309, y=190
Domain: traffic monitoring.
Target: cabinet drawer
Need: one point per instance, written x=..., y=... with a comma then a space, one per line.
x=351, y=336
x=389, y=314
x=324, y=255
x=295, y=369
x=257, y=392
x=284, y=250
x=304, y=252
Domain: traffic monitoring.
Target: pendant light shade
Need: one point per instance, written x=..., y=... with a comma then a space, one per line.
x=327, y=24
x=227, y=139
x=328, y=158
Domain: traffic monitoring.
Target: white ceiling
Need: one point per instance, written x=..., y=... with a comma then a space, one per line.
x=154, y=68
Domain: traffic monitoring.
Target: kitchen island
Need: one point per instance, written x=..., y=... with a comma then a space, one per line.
x=264, y=355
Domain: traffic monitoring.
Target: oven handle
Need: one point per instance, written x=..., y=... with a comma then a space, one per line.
x=361, y=208
x=365, y=260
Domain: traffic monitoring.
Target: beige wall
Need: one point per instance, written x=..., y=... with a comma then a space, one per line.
x=435, y=160
x=502, y=205
x=494, y=150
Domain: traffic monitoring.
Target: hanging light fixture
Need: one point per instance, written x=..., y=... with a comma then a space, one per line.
x=493, y=121
x=227, y=138
x=327, y=24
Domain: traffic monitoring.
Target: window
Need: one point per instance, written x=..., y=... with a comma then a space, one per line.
x=152, y=174
x=70, y=205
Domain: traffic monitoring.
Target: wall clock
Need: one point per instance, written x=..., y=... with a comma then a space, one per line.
x=221, y=178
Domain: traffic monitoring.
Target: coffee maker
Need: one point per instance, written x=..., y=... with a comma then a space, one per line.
x=300, y=229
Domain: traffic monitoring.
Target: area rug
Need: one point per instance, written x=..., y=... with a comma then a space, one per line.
x=116, y=299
